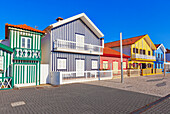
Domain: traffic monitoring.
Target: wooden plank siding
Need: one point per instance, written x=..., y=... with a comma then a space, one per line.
x=69, y=30
x=71, y=60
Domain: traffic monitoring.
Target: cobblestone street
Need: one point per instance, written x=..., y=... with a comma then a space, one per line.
x=85, y=98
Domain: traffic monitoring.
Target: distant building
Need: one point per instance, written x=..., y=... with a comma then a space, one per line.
x=160, y=55
x=111, y=60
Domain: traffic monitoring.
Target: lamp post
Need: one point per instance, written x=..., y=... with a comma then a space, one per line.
x=121, y=51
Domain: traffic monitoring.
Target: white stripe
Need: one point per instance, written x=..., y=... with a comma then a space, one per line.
x=18, y=40
x=33, y=41
x=14, y=74
x=11, y=38
x=38, y=80
x=5, y=64
x=25, y=75
x=14, y=39
x=38, y=42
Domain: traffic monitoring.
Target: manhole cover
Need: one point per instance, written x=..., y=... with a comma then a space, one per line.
x=19, y=103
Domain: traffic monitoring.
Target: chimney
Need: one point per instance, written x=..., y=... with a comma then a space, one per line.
x=59, y=19
x=102, y=42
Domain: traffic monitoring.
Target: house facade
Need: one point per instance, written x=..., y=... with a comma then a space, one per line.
x=25, y=42
x=111, y=60
x=141, y=49
x=160, y=56
x=6, y=80
x=168, y=55
x=73, y=44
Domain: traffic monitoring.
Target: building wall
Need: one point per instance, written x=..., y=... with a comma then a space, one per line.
x=69, y=30
x=142, y=44
x=45, y=49
x=159, y=63
x=15, y=38
x=7, y=60
x=71, y=60
x=168, y=56
x=126, y=49
x=111, y=60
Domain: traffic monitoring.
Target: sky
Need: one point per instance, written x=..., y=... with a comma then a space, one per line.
x=131, y=17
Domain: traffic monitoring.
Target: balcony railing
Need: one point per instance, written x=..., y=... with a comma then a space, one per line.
x=27, y=54
x=140, y=56
x=65, y=45
x=160, y=59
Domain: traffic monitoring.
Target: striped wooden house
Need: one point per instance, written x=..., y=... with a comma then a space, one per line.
x=25, y=42
x=5, y=67
x=72, y=44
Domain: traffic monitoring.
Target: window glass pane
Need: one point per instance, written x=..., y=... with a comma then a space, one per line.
x=29, y=43
x=23, y=42
x=94, y=64
x=105, y=64
x=61, y=63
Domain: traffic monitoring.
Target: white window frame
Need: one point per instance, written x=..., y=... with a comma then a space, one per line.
x=61, y=63
x=79, y=41
x=1, y=62
x=105, y=65
x=124, y=64
x=94, y=64
x=26, y=42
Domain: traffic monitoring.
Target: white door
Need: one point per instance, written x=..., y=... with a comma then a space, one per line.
x=79, y=68
x=24, y=75
x=80, y=42
x=115, y=67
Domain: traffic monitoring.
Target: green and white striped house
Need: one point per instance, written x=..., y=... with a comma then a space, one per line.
x=25, y=42
x=5, y=67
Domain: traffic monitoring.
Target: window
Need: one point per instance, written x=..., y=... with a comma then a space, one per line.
x=149, y=65
x=158, y=55
x=149, y=53
x=1, y=62
x=61, y=64
x=105, y=64
x=94, y=64
x=25, y=42
x=79, y=41
x=161, y=65
x=135, y=49
x=161, y=56
x=124, y=64
x=141, y=52
x=144, y=52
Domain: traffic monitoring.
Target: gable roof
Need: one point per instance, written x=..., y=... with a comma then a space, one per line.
x=157, y=45
x=25, y=27
x=112, y=53
x=161, y=46
x=84, y=18
x=128, y=41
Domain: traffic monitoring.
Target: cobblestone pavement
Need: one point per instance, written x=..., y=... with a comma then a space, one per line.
x=153, y=85
x=73, y=99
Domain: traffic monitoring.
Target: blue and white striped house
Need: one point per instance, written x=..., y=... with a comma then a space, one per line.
x=72, y=45
x=160, y=56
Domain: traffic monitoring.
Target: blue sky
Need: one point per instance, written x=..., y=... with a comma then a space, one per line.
x=131, y=17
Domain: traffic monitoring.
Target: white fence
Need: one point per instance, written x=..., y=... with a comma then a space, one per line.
x=58, y=78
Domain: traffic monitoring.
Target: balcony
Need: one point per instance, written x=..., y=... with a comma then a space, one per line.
x=71, y=46
x=159, y=59
x=141, y=56
x=27, y=54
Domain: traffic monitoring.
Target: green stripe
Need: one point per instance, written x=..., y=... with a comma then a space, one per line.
x=19, y=72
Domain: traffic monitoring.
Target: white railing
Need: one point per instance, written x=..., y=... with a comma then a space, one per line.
x=141, y=56
x=73, y=46
x=160, y=59
x=58, y=78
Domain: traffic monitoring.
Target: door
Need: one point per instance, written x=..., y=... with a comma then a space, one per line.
x=24, y=75
x=79, y=68
x=115, y=67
